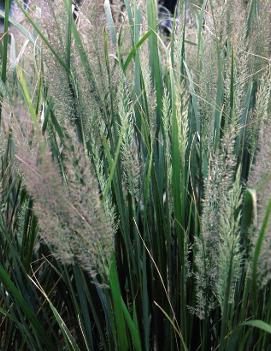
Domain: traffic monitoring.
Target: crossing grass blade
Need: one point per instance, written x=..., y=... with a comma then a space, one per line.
x=259, y=324
x=18, y=298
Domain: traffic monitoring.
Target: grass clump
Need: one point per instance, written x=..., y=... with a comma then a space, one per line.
x=135, y=198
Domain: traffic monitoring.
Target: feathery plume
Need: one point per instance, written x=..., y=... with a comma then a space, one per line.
x=72, y=217
x=221, y=199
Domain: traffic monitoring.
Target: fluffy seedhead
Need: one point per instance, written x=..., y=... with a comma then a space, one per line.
x=73, y=220
x=260, y=177
x=130, y=156
x=218, y=257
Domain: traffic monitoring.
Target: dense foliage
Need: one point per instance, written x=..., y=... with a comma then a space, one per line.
x=135, y=178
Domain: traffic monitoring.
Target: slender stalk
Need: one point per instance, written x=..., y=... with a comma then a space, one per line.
x=5, y=51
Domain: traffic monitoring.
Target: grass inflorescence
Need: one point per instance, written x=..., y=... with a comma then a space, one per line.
x=135, y=194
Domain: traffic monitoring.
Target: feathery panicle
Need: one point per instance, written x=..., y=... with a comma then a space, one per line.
x=166, y=119
x=209, y=246
x=130, y=158
x=129, y=150
x=77, y=95
x=166, y=123
x=260, y=177
x=229, y=250
x=258, y=120
x=259, y=38
x=182, y=119
x=72, y=217
x=149, y=91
